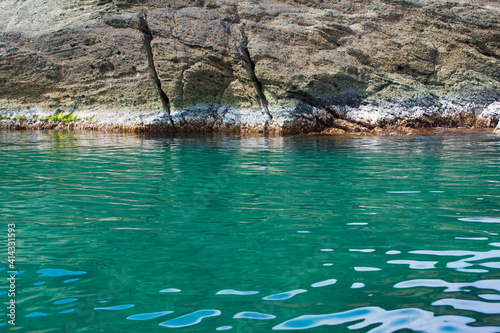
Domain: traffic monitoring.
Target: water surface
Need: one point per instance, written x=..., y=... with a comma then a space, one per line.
x=121, y=233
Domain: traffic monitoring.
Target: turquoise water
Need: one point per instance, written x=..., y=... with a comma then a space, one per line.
x=121, y=233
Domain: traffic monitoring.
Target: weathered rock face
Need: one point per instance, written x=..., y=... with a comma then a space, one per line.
x=302, y=65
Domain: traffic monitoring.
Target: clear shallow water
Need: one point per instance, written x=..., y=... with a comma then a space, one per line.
x=320, y=234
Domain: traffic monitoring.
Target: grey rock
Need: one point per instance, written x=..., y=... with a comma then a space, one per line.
x=490, y=116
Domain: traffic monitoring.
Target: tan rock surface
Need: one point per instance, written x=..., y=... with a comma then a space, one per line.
x=320, y=64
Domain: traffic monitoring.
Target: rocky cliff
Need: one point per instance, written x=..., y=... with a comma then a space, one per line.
x=284, y=65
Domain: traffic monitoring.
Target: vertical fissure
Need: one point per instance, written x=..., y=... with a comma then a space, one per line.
x=249, y=66
x=147, y=38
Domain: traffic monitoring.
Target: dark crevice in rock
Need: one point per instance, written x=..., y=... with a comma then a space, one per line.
x=380, y=88
x=249, y=66
x=311, y=119
x=147, y=38
x=350, y=97
x=484, y=50
x=434, y=61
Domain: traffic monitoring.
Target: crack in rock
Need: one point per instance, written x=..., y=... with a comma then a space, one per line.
x=249, y=66
x=147, y=38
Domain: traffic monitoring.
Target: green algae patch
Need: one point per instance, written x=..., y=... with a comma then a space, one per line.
x=61, y=117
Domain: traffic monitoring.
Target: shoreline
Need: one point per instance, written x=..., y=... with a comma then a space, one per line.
x=370, y=118
x=399, y=131
x=262, y=130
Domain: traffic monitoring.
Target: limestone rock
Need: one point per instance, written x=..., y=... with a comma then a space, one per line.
x=490, y=117
x=370, y=63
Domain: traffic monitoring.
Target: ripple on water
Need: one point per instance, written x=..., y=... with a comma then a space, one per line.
x=324, y=283
x=147, y=316
x=472, y=238
x=170, y=290
x=253, y=315
x=357, y=285
x=191, y=318
x=493, y=284
x=116, y=307
x=362, y=250
x=37, y=314
x=236, y=292
x=494, y=264
x=390, y=321
x=415, y=264
x=470, y=305
x=311, y=321
x=462, y=264
x=65, y=301
x=472, y=270
x=480, y=219
x=58, y=272
x=71, y=280
x=367, y=269
x=223, y=328
x=285, y=295
x=490, y=297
